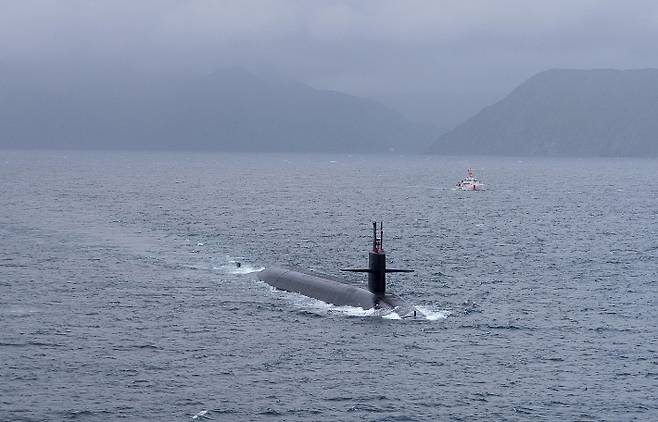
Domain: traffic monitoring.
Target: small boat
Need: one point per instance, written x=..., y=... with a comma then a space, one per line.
x=470, y=182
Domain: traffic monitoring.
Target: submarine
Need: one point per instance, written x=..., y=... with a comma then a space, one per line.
x=339, y=292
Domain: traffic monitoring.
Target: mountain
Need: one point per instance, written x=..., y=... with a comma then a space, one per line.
x=566, y=112
x=231, y=109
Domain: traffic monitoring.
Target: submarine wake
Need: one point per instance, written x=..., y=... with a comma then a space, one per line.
x=317, y=307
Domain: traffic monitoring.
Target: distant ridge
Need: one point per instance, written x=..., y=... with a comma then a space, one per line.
x=231, y=109
x=566, y=112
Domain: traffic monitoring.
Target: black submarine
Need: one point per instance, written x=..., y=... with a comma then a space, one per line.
x=339, y=292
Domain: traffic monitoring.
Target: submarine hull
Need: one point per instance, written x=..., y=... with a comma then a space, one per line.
x=331, y=290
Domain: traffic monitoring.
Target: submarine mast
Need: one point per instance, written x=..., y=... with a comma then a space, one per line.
x=377, y=263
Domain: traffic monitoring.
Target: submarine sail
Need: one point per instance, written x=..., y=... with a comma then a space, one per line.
x=336, y=291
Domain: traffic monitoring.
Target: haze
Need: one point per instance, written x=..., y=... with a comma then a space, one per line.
x=437, y=62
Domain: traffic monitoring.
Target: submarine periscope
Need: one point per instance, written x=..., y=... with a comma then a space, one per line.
x=339, y=292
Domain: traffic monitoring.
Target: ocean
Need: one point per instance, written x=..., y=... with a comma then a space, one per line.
x=120, y=298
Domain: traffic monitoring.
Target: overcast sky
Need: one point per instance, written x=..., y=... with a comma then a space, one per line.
x=377, y=48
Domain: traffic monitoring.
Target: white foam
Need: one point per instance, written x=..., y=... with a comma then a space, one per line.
x=322, y=308
x=235, y=265
x=201, y=414
x=319, y=307
x=232, y=268
x=433, y=314
x=351, y=310
x=392, y=315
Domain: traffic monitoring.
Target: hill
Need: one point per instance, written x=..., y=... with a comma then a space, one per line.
x=231, y=109
x=566, y=112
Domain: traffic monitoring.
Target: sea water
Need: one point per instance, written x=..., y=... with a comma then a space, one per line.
x=120, y=297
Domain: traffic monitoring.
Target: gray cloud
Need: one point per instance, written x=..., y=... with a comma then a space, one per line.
x=378, y=48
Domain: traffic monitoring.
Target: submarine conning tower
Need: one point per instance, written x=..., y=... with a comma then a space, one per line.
x=377, y=263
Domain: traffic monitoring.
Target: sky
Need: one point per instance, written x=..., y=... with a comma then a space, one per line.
x=424, y=57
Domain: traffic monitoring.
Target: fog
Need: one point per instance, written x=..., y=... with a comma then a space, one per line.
x=435, y=61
